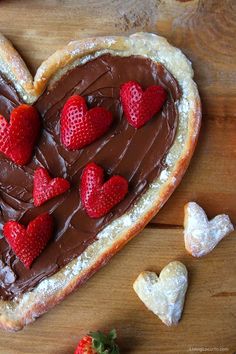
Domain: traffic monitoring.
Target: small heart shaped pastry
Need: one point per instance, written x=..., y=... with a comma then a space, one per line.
x=164, y=295
x=200, y=235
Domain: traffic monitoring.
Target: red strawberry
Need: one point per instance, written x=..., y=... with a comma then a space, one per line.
x=98, y=197
x=46, y=188
x=17, y=138
x=80, y=127
x=85, y=346
x=140, y=106
x=98, y=343
x=28, y=243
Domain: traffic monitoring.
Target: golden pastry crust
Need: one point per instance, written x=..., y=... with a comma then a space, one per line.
x=15, y=314
x=14, y=68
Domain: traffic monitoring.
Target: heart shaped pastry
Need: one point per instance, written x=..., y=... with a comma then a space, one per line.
x=152, y=159
x=164, y=295
x=200, y=235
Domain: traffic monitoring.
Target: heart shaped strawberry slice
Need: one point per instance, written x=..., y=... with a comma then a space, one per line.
x=98, y=197
x=17, y=138
x=28, y=243
x=46, y=188
x=140, y=106
x=80, y=126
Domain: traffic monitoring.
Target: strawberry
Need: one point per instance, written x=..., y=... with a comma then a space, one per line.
x=140, y=106
x=28, y=243
x=17, y=138
x=98, y=197
x=46, y=188
x=80, y=126
x=98, y=343
x=85, y=346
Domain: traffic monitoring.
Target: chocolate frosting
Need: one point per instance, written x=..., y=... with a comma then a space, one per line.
x=138, y=155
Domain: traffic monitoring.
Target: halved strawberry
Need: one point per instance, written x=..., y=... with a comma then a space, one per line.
x=18, y=138
x=27, y=243
x=140, y=106
x=98, y=197
x=80, y=126
x=46, y=188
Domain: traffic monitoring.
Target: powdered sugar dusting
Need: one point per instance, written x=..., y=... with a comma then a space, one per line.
x=164, y=295
x=200, y=235
x=14, y=68
x=164, y=175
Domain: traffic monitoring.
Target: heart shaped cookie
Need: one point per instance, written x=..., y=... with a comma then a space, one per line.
x=152, y=159
x=164, y=295
x=200, y=235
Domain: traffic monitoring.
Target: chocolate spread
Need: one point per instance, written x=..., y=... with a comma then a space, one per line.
x=138, y=155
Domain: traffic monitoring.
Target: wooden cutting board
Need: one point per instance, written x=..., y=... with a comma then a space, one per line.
x=205, y=31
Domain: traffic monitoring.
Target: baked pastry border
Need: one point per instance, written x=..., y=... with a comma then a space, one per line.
x=15, y=314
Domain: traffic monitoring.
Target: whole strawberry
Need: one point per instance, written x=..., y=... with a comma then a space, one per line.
x=27, y=243
x=140, y=106
x=18, y=138
x=80, y=126
x=98, y=343
x=98, y=197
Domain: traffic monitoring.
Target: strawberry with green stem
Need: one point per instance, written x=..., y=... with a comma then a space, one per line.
x=98, y=343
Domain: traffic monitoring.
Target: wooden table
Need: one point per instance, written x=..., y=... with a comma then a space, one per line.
x=205, y=31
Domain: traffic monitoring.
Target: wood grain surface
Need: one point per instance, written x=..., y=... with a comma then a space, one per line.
x=107, y=300
x=205, y=31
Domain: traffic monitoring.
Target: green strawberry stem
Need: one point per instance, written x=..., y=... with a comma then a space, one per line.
x=105, y=344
